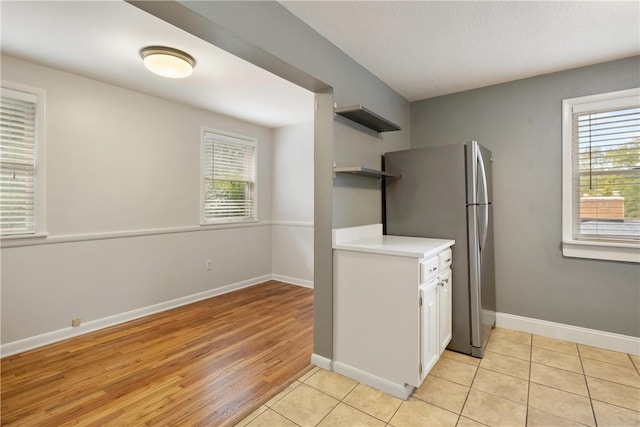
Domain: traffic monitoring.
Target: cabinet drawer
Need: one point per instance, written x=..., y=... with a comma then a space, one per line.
x=444, y=260
x=428, y=269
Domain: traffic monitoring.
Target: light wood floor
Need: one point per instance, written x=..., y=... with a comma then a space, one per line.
x=206, y=363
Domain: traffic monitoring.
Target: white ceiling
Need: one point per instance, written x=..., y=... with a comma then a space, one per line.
x=424, y=49
x=419, y=48
x=102, y=40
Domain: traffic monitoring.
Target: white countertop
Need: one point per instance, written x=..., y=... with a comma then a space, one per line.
x=369, y=239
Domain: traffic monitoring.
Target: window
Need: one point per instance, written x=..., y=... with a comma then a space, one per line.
x=601, y=176
x=20, y=113
x=229, y=184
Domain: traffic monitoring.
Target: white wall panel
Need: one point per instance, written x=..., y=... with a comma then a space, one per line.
x=45, y=286
x=293, y=253
x=118, y=162
x=293, y=173
x=292, y=204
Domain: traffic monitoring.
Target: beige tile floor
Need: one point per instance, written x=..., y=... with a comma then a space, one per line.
x=523, y=380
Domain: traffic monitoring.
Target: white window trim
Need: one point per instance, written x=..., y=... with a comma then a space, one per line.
x=40, y=183
x=613, y=251
x=233, y=137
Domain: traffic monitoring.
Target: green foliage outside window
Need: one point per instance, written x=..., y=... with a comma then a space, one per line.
x=624, y=182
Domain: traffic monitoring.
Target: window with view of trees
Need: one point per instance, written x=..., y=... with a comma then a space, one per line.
x=229, y=185
x=602, y=196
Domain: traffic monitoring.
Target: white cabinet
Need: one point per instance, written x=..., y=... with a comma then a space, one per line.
x=428, y=269
x=444, y=260
x=444, y=309
x=435, y=318
x=391, y=315
x=429, y=339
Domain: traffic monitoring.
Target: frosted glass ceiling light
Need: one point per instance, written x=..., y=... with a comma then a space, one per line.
x=168, y=62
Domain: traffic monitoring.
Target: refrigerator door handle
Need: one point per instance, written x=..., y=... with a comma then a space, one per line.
x=484, y=200
x=486, y=226
x=483, y=175
x=483, y=225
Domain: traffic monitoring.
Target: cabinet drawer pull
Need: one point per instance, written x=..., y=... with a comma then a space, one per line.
x=432, y=269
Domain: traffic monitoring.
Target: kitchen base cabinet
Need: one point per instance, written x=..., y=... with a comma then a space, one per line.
x=435, y=320
x=444, y=309
x=388, y=309
x=429, y=338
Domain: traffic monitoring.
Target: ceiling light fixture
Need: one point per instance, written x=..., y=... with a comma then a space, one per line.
x=168, y=62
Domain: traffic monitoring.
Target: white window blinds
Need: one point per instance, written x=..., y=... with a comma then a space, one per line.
x=606, y=171
x=17, y=162
x=229, y=178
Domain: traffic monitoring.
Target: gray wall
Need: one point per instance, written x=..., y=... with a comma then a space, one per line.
x=520, y=122
x=266, y=34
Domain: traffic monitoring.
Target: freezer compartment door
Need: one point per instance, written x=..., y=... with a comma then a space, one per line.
x=429, y=199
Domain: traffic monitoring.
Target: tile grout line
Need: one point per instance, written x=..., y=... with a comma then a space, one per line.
x=269, y=408
x=529, y=361
x=336, y=405
x=330, y=411
x=526, y=410
x=468, y=393
x=346, y=403
x=366, y=413
x=285, y=417
x=504, y=373
x=584, y=374
x=633, y=364
x=282, y=397
x=388, y=423
x=438, y=406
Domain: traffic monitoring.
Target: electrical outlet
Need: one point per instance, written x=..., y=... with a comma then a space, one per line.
x=209, y=265
x=76, y=322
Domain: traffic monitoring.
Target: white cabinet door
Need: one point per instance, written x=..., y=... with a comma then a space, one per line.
x=429, y=327
x=444, y=309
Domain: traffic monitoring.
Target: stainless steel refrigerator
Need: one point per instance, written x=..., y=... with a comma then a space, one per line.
x=445, y=192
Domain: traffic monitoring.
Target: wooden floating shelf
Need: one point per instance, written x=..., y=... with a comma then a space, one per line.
x=367, y=118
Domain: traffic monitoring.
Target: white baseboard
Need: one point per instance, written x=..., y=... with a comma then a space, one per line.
x=322, y=362
x=62, y=334
x=592, y=337
x=292, y=223
x=402, y=391
x=293, y=280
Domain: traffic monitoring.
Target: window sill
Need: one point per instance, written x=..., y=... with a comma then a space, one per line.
x=230, y=223
x=628, y=252
x=24, y=236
